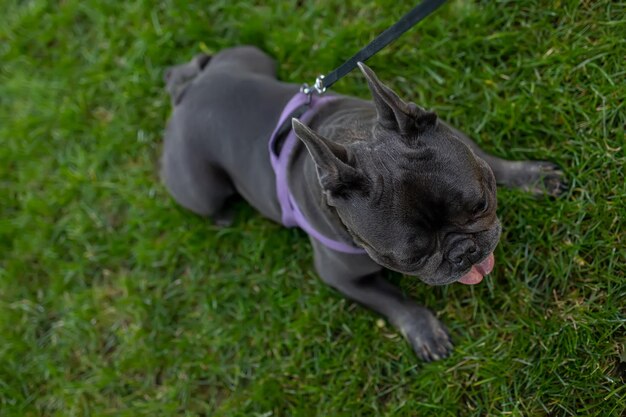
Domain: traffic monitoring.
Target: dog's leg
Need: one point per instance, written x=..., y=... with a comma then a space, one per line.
x=536, y=177
x=428, y=337
x=359, y=278
x=178, y=77
x=193, y=182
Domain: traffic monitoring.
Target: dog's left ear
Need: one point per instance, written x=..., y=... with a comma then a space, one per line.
x=335, y=172
x=393, y=112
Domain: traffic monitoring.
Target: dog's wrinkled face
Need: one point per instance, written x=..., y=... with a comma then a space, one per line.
x=412, y=194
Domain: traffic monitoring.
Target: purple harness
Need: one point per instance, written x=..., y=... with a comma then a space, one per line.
x=291, y=214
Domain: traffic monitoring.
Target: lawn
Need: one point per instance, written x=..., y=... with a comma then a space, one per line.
x=114, y=301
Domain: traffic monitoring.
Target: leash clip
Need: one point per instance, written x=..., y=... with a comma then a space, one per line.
x=318, y=87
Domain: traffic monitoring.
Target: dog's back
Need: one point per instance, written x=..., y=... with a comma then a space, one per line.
x=225, y=109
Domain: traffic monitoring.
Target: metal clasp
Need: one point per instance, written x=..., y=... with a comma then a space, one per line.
x=318, y=87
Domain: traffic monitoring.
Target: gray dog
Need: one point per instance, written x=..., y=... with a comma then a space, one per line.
x=376, y=184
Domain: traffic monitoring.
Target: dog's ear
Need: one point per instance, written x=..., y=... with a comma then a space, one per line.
x=335, y=172
x=393, y=112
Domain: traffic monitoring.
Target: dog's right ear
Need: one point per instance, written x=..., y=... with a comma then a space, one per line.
x=334, y=170
x=393, y=112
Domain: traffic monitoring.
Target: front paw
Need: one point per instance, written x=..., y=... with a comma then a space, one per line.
x=224, y=217
x=428, y=337
x=542, y=178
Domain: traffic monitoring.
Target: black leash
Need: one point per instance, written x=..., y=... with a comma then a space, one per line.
x=407, y=21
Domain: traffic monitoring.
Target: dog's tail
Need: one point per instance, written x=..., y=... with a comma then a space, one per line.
x=178, y=77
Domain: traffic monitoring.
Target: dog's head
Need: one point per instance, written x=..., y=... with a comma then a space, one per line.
x=410, y=192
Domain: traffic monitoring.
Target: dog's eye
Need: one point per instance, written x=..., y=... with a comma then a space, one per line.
x=480, y=207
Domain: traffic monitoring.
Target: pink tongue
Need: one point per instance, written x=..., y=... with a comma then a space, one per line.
x=476, y=274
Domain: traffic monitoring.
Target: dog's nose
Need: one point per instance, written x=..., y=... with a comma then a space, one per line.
x=463, y=253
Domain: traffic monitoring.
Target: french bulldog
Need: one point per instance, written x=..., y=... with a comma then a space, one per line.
x=412, y=193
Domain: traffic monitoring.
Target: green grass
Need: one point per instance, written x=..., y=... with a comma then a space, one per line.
x=114, y=301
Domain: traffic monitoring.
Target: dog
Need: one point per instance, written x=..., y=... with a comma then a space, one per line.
x=376, y=184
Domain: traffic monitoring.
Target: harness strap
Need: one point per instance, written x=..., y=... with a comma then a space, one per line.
x=300, y=105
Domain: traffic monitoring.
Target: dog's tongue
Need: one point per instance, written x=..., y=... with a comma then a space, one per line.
x=476, y=274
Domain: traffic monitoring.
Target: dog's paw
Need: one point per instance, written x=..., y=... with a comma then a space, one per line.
x=542, y=178
x=201, y=60
x=428, y=337
x=224, y=217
